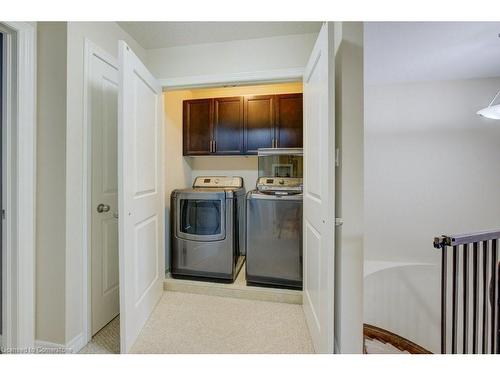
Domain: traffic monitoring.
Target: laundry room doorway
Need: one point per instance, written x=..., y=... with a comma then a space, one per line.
x=140, y=185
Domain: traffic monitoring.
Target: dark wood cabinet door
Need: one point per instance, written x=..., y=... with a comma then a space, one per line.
x=197, y=127
x=289, y=120
x=259, y=123
x=228, y=126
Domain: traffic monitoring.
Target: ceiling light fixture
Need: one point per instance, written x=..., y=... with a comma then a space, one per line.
x=491, y=111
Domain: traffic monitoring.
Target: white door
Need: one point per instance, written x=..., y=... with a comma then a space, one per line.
x=140, y=194
x=319, y=191
x=103, y=97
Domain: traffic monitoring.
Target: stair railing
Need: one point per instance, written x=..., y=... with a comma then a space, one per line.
x=475, y=317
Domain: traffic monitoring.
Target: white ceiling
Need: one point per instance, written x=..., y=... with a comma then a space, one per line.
x=425, y=51
x=169, y=34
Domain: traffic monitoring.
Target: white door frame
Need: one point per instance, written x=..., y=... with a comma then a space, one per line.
x=90, y=49
x=247, y=78
x=19, y=184
x=260, y=77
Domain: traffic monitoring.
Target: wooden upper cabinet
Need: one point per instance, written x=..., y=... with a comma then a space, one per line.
x=288, y=109
x=197, y=127
x=228, y=126
x=259, y=123
x=241, y=125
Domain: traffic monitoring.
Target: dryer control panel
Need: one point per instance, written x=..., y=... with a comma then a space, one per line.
x=218, y=182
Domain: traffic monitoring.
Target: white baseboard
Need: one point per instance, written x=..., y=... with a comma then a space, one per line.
x=336, y=348
x=50, y=347
x=72, y=347
x=77, y=343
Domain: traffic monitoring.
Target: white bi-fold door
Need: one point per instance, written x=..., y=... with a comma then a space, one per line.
x=141, y=196
x=103, y=101
x=319, y=192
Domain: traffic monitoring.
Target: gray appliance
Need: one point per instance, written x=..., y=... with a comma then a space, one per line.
x=274, y=233
x=208, y=229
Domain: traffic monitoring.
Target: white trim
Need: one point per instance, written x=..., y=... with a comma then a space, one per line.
x=21, y=177
x=265, y=76
x=90, y=49
x=47, y=347
x=72, y=347
x=48, y=344
x=77, y=343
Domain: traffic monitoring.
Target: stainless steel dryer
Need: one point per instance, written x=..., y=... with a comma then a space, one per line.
x=208, y=229
x=274, y=233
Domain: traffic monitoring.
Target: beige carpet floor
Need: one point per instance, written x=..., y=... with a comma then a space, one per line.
x=106, y=341
x=193, y=323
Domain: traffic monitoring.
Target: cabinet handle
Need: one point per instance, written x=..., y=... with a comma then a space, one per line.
x=215, y=146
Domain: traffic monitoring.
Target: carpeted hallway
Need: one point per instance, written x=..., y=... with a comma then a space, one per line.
x=193, y=323
x=106, y=341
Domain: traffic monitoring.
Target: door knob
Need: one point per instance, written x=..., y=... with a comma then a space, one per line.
x=103, y=208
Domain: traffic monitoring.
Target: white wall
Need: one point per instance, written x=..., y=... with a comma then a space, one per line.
x=406, y=300
x=253, y=55
x=349, y=187
x=51, y=181
x=431, y=168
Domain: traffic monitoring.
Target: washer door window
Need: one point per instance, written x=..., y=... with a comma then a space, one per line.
x=201, y=219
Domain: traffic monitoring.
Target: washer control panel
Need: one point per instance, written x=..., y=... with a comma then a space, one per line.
x=218, y=182
x=280, y=185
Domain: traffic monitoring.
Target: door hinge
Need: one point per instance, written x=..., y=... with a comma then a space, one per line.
x=3, y=214
x=337, y=157
x=339, y=221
